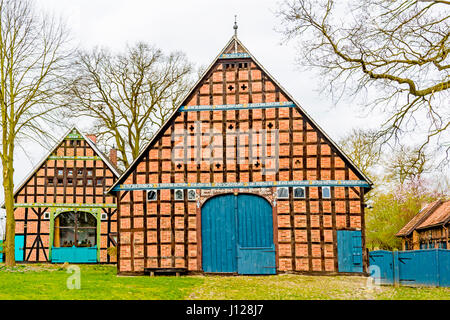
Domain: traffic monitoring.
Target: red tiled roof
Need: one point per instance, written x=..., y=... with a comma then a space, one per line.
x=418, y=219
x=439, y=216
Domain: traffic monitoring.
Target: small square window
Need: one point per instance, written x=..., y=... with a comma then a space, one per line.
x=152, y=195
x=299, y=192
x=46, y=215
x=99, y=182
x=104, y=216
x=80, y=172
x=89, y=173
x=60, y=172
x=89, y=182
x=326, y=192
x=60, y=181
x=70, y=172
x=69, y=181
x=78, y=143
x=179, y=194
x=50, y=181
x=283, y=193
x=192, y=194
x=71, y=142
x=80, y=182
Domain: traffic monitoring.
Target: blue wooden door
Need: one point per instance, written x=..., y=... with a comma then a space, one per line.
x=219, y=234
x=18, y=247
x=256, y=250
x=349, y=251
x=237, y=235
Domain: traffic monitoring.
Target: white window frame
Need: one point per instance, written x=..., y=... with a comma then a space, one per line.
x=195, y=194
x=46, y=215
x=329, y=192
x=304, y=192
x=156, y=195
x=104, y=216
x=175, y=194
x=278, y=195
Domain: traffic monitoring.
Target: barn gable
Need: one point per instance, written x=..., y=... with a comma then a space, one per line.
x=240, y=147
x=241, y=89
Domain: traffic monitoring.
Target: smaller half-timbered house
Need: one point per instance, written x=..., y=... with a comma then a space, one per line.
x=429, y=228
x=61, y=210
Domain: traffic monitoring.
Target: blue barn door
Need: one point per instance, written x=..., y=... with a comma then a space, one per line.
x=237, y=235
x=219, y=234
x=256, y=250
x=349, y=251
x=19, y=242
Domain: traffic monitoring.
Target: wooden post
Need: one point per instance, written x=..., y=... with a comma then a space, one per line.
x=396, y=268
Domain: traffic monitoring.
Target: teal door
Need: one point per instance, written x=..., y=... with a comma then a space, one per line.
x=349, y=245
x=237, y=235
x=219, y=234
x=19, y=247
x=1, y=250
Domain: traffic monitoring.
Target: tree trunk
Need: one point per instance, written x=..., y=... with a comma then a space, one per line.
x=8, y=185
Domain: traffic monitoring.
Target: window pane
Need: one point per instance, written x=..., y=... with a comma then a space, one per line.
x=179, y=194
x=283, y=192
x=86, y=237
x=64, y=237
x=66, y=219
x=299, y=193
x=191, y=194
x=86, y=220
x=326, y=192
x=151, y=195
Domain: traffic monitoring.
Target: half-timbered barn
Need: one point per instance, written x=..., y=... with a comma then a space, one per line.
x=241, y=180
x=61, y=209
x=429, y=228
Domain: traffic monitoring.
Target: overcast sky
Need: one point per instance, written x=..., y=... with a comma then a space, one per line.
x=201, y=29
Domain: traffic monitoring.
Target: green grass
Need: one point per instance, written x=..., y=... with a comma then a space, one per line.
x=97, y=282
x=45, y=281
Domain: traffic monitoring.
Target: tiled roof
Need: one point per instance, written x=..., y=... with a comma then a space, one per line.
x=435, y=213
x=440, y=215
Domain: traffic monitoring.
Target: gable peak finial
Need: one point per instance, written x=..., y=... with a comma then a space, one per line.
x=235, y=27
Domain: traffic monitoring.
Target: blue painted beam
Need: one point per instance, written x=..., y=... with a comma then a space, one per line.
x=234, y=55
x=231, y=185
x=242, y=106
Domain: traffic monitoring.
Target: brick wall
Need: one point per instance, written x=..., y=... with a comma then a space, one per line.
x=167, y=233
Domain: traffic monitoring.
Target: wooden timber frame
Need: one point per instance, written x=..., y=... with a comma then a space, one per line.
x=166, y=233
x=72, y=177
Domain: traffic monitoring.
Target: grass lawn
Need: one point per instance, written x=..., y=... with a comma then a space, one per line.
x=45, y=281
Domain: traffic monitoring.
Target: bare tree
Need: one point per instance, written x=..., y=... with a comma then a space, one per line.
x=363, y=148
x=407, y=164
x=397, y=51
x=130, y=95
x=32, y=60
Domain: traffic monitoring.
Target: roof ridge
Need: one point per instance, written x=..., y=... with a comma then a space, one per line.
x=432, y=207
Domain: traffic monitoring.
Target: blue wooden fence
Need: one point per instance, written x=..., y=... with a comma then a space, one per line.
x=429, y=267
